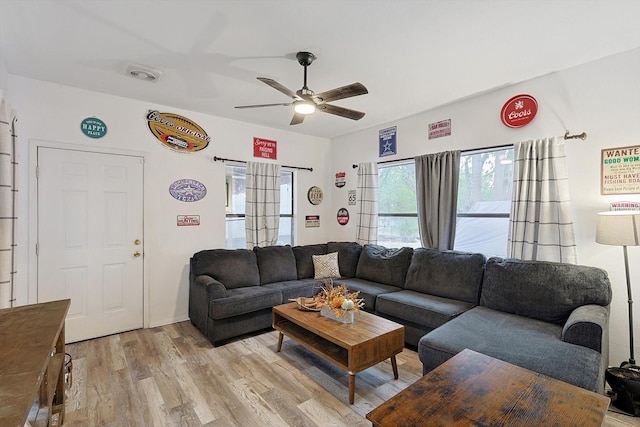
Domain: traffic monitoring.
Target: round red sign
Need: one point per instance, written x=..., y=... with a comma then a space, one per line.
x=343, y=216
x=519, y=111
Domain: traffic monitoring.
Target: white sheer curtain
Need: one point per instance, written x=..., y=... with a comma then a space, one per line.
x=437, y=177
x=8, y=203
x=541, y=224
x=262, y=205
x=367, y=200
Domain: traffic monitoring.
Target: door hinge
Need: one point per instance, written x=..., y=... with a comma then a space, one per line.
x=37, y=172
x=37, y=249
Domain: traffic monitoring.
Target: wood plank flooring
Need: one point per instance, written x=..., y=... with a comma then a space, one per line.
x=173, y=376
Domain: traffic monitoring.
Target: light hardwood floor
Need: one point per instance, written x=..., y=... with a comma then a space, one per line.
x=173, y=376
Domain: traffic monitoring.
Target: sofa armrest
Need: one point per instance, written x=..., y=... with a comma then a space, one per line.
x=587, y=326
x=203, y=289
x=213, y=288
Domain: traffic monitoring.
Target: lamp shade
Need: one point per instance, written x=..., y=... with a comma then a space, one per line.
x=619, y=228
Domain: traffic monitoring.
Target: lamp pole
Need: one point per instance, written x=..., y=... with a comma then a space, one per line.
x=632, y=360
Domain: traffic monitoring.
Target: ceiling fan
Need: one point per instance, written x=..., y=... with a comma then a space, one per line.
x=305, y=101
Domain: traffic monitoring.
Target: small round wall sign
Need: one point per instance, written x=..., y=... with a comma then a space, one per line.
x=187, y=190
x=93, y=127
x=314, y=195
x=343, y=216
x=519, y=111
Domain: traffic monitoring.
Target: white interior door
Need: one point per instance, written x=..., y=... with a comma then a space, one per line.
x=90, y=229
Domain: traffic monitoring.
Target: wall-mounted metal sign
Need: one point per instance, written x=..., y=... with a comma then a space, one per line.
x=187, y=190
x=177, y=132
x=519, y=111
x=314, y=195
x=188, y=220
x=311, y=221
x=387, y=142
x=265, y=148
x=343, y=216
x=93, y=127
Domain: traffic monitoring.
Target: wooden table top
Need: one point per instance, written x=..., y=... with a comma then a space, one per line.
x=475, y=389
x=366, y=327
x=27, y=337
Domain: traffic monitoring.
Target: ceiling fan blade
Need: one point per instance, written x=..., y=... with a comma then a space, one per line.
x=347, y=91
x=340, y=111
x=266, y=105
x=277, y=86
x=297, y=119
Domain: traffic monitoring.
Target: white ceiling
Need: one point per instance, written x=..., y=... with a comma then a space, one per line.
x=411, y=55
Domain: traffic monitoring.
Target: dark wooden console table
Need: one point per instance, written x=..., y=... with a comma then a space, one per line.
x=474, y=389
x=32, y=364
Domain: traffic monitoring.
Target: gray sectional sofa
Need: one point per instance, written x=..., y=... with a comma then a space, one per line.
x=548, y=317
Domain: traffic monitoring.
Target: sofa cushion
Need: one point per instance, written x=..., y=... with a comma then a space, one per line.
x=304, y=262
x=369, y=291
x=529, y=343
x=544, y=290
x=348, y=256
x=296, y=288
x=244, y=300
x=234, y=268
x=276, y=263
x=326, y=266
x=447, y=274
x=422, y=309
x=384, y=265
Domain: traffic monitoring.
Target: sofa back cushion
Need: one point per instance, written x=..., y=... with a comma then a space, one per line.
x=276, y=264
x=234, y=268
x=304, y=260
x=543, y=290
x=384, y=265
x=448, y=274
x=348, y=256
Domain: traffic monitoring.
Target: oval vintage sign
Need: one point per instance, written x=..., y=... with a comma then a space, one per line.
x=187, y=190
x=93, y=127
x=519, y=111
x=177, y=132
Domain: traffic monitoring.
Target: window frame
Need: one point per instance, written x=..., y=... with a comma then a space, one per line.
x=229, y=198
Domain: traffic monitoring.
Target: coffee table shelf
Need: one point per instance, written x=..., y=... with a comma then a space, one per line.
x=353, y=347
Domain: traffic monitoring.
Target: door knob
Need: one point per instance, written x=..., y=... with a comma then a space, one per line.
x=136, y=242
x=136, y=254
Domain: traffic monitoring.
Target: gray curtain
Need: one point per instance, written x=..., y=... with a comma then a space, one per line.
x=8, y=203
x=262, y=205
x=437, y=178
x=367, y=200
x=541, y=224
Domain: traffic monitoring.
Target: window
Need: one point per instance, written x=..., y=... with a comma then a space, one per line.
x=235, y=236
x=484, y=203
x=397, y=206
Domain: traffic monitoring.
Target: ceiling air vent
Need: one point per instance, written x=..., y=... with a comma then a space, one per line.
x=142, y=72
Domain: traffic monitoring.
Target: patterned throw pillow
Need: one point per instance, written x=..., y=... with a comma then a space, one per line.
x=326, y=266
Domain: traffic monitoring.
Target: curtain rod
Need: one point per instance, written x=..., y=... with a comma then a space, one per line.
x=220, y=159
x=581, y=136
x=462, y=151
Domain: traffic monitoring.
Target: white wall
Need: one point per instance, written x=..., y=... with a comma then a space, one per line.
x=52, y=113
x=601, y=98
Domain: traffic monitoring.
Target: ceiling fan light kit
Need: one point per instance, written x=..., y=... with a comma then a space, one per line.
x=304, y=108
x=306, y=102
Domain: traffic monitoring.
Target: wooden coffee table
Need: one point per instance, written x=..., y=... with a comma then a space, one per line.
x=353, y=347
x=475, y=389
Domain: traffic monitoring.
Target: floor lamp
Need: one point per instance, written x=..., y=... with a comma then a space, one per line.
x=621, y=228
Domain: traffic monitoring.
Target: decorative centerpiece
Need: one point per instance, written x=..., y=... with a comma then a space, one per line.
x=338, y=303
